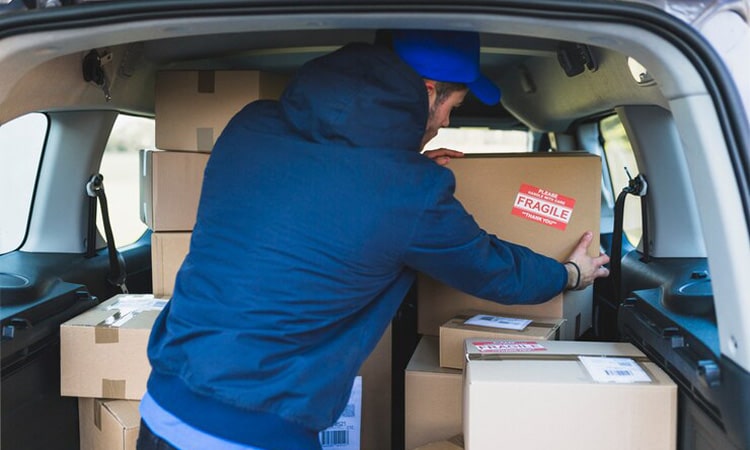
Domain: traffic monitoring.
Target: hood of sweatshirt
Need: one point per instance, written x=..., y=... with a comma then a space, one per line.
x=361, y=95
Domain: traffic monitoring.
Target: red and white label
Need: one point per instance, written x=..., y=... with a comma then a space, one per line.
x=508, y=346
x=542, y=206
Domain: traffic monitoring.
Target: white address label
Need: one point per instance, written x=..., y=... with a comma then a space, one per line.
x=614, y=370
x=507, y=323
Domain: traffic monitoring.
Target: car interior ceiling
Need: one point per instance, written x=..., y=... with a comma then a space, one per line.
x=536, y=89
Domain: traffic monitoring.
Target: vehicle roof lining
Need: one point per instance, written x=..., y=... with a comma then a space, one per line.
x=224, y=43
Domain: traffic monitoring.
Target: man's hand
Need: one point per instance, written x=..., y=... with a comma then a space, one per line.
x=442, y=156
x=582, y=268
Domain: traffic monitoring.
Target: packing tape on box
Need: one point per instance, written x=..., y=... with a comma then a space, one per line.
x=543, y=357
x=113, y=388
x=600, y=368
x=106, y=335
x=204, y=138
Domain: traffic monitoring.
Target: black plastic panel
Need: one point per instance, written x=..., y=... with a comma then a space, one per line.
x=687, y=347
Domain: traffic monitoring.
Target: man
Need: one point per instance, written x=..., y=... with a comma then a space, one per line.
x=315, y=215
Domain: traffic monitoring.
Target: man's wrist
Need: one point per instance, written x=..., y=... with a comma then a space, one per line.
x=574, y=275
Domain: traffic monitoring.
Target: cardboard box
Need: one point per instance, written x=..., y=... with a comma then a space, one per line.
x=377, y=393
x=433, y=397
x=454, y=443
x=103, y=350
x=170, y=188
x=498, y=190
x=193, y=107
x=566, y=395
x=168, y=250
x=108, y=424
x=454, y=332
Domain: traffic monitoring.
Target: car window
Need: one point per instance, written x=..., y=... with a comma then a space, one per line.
x=120, y=169
x=481, y=140
x=21, y=144
x=621, y=162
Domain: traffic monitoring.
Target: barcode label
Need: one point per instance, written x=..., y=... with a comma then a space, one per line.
x=614, y=370
x=345, y=433
x=508, y=323
x=334, y=437
x=618, y=373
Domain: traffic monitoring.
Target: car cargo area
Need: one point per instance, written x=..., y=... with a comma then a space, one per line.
x=618, y=119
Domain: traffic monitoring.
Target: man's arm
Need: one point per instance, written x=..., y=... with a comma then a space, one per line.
x=449, y=246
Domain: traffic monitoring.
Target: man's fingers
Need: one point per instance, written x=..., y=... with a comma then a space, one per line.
x=583, y=244
x=601, y=260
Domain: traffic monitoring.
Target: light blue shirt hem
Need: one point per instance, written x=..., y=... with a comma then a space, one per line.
x=180, y=434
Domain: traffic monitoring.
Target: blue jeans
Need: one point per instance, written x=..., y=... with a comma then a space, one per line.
x=147, y=440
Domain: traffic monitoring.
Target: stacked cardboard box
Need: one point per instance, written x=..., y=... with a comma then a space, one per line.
x=108, y=424
x=456, y=330
x=434, y=375
x=103, y=362
x=545, y=201
x=192, y=108
x=433, y=397
x=566, y=395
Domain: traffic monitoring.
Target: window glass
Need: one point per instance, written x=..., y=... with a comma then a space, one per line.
x=619, y=155
x=21, y=145
x=120, y=169
x=481, y=140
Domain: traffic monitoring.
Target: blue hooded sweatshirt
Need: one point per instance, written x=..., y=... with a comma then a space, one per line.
x=316, y=213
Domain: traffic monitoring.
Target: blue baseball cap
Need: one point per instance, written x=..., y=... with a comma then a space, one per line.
x=449, y=56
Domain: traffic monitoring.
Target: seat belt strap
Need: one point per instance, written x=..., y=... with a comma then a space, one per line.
x=117, y=272
x=639, y=187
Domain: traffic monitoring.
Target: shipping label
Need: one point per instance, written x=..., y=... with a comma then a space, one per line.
x=614, y=370
x=129, y=306
x=508, y=323
x=345, y=433
x=543, y=206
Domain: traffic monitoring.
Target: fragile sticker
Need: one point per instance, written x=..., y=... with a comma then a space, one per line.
x=543, y=206
x=508, y=346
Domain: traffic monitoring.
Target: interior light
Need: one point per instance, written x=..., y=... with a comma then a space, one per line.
x=639, y=72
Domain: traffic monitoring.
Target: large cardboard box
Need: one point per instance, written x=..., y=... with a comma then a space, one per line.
x=193, y=107
x=170, y=188
x=108, y=424
x=377, y=395
x=454, y=332
x=545, y=201
x=103, y=350
x=168, y=251
x=433, y=397
x=567, y=395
